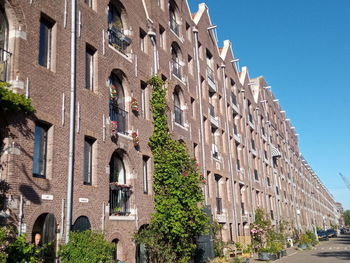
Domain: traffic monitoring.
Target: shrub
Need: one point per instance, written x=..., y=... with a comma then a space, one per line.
x=305, y=239
x=86, y=247
x=312, y=237
x=20, y=251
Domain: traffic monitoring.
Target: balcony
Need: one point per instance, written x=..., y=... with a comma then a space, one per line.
x=241, y=173
x=4, y=62
x=214, y=119
x=176, y=69
x=219, y=205
x=237, y=138
x=120, y=116
x=235, y=105
x=119, y=200
x=118, y=39
x=211, y=80
x=174, y=26
x=178, y=115
x=245, y=218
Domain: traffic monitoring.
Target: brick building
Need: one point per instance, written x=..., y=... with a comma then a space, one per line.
x=232, y=123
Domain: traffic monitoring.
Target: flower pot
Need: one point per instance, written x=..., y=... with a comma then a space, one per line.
x=284, y=252
x=266, y=256
x=303, y=246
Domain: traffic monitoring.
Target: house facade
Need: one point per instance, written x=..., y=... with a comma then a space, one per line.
x=232, y=124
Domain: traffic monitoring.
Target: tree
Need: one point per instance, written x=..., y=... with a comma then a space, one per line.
x=347, y=217
x=179, y=217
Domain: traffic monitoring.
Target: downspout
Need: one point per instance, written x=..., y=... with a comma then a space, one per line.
x=71, y=120
x=199, y=92
x=229, y=149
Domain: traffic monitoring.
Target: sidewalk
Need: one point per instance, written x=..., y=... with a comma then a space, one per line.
x=290, y=251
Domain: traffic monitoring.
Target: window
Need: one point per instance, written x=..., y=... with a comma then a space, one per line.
x=45, y=42
x=176, y=60
x=268, y=181
x=117, y=110
x=174, y=26
x=116, y=26
x=115, y=249
x=88, y=2
x=89, y=67
x=256, y=176
x=120, y=192
x=162, y=37
x=178, y=113
x=145, y=174
x=5, y=57
x=218, y=198
x=40, y=150
x=88, y=148
x=144, y=99
x=143, y=35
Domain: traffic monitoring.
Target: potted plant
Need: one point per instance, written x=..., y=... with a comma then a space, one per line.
x=304, y=241
x=266, y=254
x=113, y=92
x=134, y=105
x=135, y=138
x=114, y=130
x=247, y=251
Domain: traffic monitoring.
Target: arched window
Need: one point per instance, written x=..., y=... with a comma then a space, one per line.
x=117, y=26
x=178, y=112
x=82, y=223
x=120, y=191
x=117, y=112
x=141, y=250
x=115, y=249
x=176, y=60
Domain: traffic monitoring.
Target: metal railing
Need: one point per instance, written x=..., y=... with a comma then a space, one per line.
x=119, y=202
x=120, y=116
x=178, y=114
x=4, y=63
x=219, y=205
x=174, y=26
x=118, y=39
x=176, y=68
x=210, y=74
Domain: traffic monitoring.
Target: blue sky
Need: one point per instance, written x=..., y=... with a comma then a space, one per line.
x=302, y=48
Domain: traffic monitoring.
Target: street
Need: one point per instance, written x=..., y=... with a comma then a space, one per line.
x=336, y=250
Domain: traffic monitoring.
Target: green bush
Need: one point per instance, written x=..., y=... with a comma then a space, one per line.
x=86, y=247
x=312, y=237
x=20, y=251
x=13, y=102
x=305, y=239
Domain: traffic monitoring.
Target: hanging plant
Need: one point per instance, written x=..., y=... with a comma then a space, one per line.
x=134, y=104
x=113, y=92
x=114, y=130
x=135, y=138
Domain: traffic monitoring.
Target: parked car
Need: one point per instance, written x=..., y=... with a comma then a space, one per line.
x=332, y=233
x=322, y=235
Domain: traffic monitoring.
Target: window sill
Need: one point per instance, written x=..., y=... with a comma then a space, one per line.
x=181, y=80
x=128, y=58
x=181, y=126
x=179, y=37
x=122, y=135
x=122, y=218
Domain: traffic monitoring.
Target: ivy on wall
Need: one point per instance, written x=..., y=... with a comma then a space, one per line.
x=178, y=218
x=13, y=102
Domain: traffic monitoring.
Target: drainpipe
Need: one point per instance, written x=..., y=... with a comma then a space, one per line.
x=71, y=120
x=229, y=149
x=199, y=92
x=20, y=215
x=153, y=35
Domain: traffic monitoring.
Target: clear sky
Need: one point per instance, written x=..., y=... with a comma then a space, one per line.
x=302, y=48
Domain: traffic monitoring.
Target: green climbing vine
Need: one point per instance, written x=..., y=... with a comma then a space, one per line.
x=13, y=102
x=179, y=218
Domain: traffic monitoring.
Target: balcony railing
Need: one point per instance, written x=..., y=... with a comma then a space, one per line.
x=174, y=26
x=117, y=39
x=176, y=68
x=4, y=62
x=178, y=114
x=218, y=205
x=211, y=79
x=120, y=116
x=119, y=202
